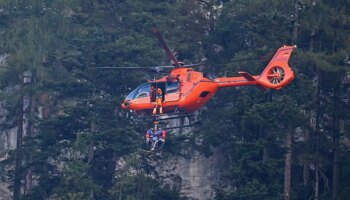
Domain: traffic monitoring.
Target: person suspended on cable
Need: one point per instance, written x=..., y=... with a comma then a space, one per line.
x=159, y=102
x=162, y=136
x=156, y=136
x=149, y=136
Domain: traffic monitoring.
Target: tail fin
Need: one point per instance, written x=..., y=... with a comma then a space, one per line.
x=278, y=73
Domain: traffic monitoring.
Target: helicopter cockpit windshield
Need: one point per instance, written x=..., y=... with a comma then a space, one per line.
x=141, y=91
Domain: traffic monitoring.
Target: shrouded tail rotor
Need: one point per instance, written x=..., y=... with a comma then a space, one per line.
x=278, y=73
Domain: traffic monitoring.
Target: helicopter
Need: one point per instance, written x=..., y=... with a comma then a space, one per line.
x=186, y=90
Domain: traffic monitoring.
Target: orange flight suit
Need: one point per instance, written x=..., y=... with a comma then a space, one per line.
x=159, y=102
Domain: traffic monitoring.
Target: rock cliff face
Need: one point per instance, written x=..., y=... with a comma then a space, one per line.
x=5, y=193
x=196, y=176
x=8, y=139
x=192, y=173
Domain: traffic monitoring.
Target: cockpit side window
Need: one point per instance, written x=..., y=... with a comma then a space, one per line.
x=143, y=91
x=172, y=87
x=139, y=92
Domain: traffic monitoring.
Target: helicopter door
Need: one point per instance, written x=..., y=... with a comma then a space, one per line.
x=172, y=91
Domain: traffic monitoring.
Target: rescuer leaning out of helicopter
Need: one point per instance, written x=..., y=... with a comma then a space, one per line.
x=154, y=136
x=159, y=102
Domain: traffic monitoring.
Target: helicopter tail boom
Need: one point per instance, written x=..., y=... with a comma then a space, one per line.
x=276, y=75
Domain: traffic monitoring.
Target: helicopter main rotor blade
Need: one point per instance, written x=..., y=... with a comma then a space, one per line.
x=192, y=65
x=165, y=46
x=153, y=68
x=156, y=67
x=247, y=59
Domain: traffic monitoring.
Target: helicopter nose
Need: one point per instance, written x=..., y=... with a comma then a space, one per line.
x=125, y=105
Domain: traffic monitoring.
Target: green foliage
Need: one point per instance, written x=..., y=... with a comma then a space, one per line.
x=76, y=183
x=74, y=150
x=141, y=187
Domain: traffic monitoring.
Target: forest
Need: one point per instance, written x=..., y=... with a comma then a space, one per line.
x=64, y=136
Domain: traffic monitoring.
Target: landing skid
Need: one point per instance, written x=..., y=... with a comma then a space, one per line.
x=166, y=117
x=169, y=116
x=160, y=117
x=175, y=127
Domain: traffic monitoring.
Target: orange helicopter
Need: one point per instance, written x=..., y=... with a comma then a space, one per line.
x=185, y=90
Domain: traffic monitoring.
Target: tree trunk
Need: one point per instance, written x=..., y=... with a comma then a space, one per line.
x=288, y=165
x=91, y=149
x=28, y=112
x=296, y=22
x=91, y=144
x=335, y=158
x=44, y=103
x=18, y=165
x=306, y=167
x=306, y=174
x=336, y=135
x=317, y=133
